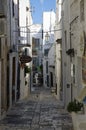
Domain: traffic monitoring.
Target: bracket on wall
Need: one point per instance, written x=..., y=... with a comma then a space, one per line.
x=70, y=52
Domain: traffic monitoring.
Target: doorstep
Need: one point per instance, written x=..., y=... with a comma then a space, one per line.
x=79, y=121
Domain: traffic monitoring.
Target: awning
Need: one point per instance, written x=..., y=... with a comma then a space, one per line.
x=82, y=95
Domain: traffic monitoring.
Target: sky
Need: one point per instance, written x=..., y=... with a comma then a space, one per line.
x=39, y=6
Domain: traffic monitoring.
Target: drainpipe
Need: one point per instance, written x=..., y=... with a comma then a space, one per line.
x=10, y=19
x=70, y=64
x=10, y=64
x=71, y=57
x=63, y=77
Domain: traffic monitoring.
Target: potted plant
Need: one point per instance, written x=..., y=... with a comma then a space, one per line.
x=74, y=106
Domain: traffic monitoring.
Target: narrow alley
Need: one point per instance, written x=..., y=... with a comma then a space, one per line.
x=41, y=111
x=42, y=43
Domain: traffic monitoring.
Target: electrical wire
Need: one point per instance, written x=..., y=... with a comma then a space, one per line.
x=39, y=32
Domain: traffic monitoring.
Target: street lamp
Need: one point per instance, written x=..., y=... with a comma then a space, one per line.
x=47, y=37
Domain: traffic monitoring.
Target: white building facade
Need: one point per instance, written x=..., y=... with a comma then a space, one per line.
x=58, y=51
x=8, y=54
x=11, y=39
x=51, y=67
x=48, y=40
x=25, y=21
x=37, y=50
x=74, y=50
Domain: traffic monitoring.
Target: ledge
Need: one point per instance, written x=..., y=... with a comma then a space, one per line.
x=79, y=121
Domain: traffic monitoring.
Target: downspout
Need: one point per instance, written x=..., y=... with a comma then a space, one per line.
x=71, y=57
x=63, y=80
x=10, y=20
x=10, y=78
x=70, y=64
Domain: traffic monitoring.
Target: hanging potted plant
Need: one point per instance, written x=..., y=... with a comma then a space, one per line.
x=27, y=70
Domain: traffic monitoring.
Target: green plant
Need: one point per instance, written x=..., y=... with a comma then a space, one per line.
x=74, y=106
x=27, y=69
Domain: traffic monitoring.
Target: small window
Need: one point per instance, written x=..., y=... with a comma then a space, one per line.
x=73, y=73
x=27, y=9
x=13, y=8
x=82, y=10
x=65, y=40
x=1, y=7
x=46, y=52
x=46, y=66
x=25, y=51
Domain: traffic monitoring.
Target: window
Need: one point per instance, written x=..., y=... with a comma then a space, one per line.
x=13, y=71
x=26, y=51
x=1, y=7
x=51, y=78
x=84, y=100
x=48, y=80
x=13, y=7
x=27, y=9
x=46, y=66
x=46, y=52
x=74, y=74
x=36, y=43
x=65, y=40
x=82, y=10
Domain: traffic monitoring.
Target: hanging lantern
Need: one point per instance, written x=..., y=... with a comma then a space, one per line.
x=47, y=37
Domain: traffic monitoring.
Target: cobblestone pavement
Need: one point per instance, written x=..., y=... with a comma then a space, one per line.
x=41, y=111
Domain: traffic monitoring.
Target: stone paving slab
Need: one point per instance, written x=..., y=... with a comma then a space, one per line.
x=39, y=112
x=47, y=128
